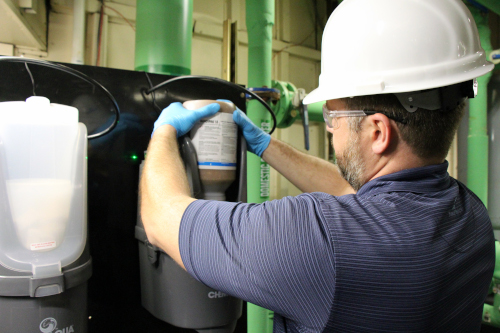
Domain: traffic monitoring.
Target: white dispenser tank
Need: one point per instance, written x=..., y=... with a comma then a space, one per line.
x=42, y=177
x=44, y=255
x=40, y=211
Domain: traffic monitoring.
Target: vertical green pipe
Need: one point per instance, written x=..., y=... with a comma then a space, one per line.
x=477, y=141
x=163, y=36
x=260, y=21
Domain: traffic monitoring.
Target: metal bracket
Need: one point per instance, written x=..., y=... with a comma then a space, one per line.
x=297, y=102
x=265, y=93
x=298, y=97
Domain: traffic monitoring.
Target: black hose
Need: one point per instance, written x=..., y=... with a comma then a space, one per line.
x=80, y=75
x=224, y=82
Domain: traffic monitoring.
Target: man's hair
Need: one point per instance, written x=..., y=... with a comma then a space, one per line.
x=428, y=133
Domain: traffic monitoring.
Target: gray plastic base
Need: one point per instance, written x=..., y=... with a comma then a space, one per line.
x=223, y=329
x=62, y=313
x=170, y=294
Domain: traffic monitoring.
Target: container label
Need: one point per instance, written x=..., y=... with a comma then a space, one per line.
x=265, y=169
x=215, y=140
x=43, y=246
x=217, y=294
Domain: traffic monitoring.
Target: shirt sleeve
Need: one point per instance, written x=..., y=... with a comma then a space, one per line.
x=278, y=254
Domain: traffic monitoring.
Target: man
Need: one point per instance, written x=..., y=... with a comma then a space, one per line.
x=386, y=242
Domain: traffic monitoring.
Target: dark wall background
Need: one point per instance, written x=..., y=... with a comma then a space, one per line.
x=113, y=174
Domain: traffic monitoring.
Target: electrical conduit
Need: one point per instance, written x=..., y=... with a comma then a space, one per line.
x=260, y=21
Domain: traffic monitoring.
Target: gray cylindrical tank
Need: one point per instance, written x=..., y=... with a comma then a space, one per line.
x=58, y=313
x=168, y=292
x=494, y=153
x=63, y=312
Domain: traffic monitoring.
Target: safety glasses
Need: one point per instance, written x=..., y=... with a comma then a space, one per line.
x=332, y=117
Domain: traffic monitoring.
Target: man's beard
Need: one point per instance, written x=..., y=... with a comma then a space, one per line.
x=351, y=164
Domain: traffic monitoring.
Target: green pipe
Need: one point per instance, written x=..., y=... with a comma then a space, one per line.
x=477, y=142
x=493, y=5
x=315, y=111
x=260, y=21
x=163, y=36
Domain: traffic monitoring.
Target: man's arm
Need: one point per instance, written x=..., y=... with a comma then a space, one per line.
x=164, y=188
x=165, y=193
x=308, y=173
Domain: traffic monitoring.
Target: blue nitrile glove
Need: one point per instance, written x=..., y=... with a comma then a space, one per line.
x=257, y=139
x=183, y=119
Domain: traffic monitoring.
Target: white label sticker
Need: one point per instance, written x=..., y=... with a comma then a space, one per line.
x=43, y=246
x=215, y=140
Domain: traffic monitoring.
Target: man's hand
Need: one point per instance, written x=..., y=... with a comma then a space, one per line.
x=257, y=139
x=183, y=119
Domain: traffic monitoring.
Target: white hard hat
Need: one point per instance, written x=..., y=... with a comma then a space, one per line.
x=374, y=47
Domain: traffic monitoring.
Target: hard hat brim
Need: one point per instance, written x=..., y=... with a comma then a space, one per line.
x=373, y=47
x=317, y=95
x=334, y=90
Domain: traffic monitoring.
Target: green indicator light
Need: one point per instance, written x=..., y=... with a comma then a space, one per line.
x=134, y=157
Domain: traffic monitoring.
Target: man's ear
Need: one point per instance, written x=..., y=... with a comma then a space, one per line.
x=380, y=133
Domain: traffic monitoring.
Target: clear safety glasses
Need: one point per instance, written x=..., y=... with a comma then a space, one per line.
x=332, y=117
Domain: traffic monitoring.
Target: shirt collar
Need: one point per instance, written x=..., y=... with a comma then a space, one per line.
x=431, y=178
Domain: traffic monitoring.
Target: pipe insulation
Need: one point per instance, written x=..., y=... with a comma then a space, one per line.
x=163, y=36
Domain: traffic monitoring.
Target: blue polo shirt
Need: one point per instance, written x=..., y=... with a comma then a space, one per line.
x=412, y=251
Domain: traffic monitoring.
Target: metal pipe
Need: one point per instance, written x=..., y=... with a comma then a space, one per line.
x=163, y=36
x=260, y=21
x=477, y=141
x=78, y=54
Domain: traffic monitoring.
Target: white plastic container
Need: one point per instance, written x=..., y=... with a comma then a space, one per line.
x=40, y=210
x=43, y=179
